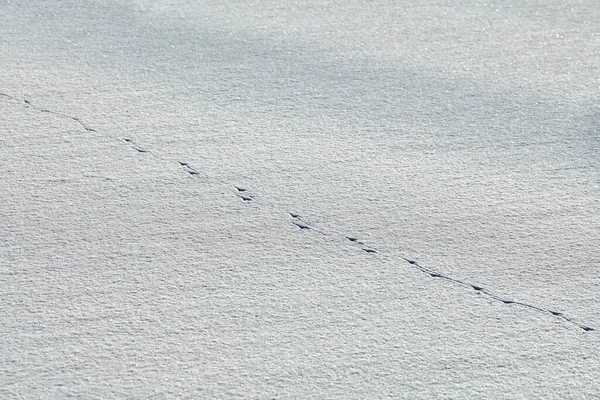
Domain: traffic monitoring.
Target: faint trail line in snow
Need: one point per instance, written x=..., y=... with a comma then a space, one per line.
x=194, y=172
x=45, y=110
x=88, y=128
x=303, y=224
x=435, y=274
x=131, y=143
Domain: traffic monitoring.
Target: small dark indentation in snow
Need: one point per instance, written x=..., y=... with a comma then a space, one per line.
x=295, y=215
x=127, y=140
x=183, y=164
x=370, y=250
x=435, y=275
x=508, y=302
x=141, y=150
x=246, y=198
x=555, y=312
x=478, y=288
x=301, y=226
x=240, y=189
x=412, y=262
x=587, y=328
x=352, y=239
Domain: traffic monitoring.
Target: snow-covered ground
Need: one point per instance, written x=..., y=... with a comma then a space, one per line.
x=273, y=199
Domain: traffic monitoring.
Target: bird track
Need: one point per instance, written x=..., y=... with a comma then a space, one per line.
x=304, y=225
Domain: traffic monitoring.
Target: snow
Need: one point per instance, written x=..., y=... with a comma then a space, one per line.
x=307, y=200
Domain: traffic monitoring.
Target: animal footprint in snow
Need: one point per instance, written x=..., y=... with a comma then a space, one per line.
x=188, y=168
x=298, y=221
x=131, y=142
x=354, y=240
x=242, y=194
x=301, y=225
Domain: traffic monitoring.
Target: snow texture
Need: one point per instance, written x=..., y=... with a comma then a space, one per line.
x=277, y=199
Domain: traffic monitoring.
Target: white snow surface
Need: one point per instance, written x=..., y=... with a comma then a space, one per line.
x=180, y=181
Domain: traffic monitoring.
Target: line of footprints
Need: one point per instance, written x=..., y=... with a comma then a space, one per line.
x=302, y=224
